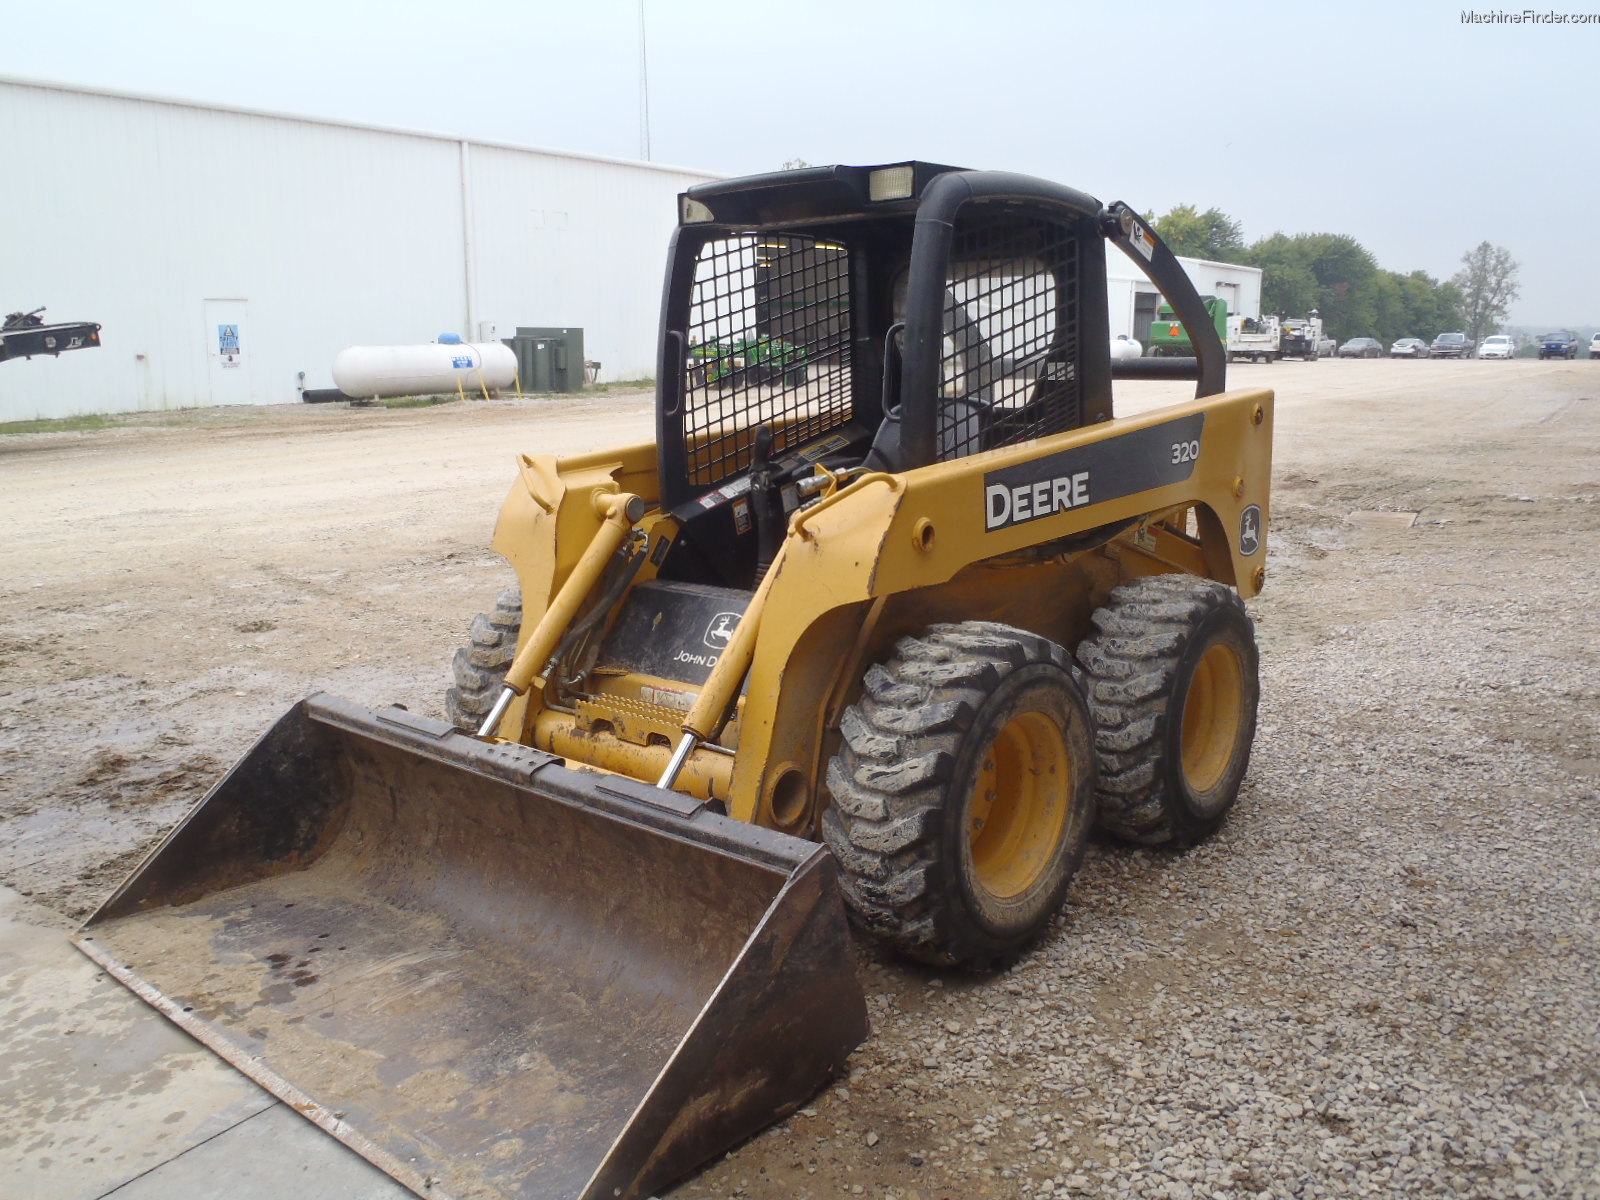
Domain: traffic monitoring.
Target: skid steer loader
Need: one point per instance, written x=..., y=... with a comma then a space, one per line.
x=875, y=642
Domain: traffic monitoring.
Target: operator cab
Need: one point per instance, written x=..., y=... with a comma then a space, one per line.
x=831, y=321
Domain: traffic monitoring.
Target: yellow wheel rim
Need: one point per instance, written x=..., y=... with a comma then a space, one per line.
x=1213, y=713
x=1019, y=805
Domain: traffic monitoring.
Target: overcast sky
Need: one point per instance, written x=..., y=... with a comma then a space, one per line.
x=1397, y=123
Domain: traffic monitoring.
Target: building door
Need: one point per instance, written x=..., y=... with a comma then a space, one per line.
x=1144, y=315
x=228, y=351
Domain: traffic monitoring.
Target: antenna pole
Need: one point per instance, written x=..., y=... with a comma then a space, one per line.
x=644, y=90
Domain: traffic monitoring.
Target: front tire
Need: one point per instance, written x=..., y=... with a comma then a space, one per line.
x=1174, y=687
x=479, y=668
x=963, y=793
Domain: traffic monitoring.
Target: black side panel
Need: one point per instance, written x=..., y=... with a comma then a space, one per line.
x=673, y=630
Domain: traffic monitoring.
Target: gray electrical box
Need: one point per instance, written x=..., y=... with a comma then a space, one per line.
x=548, y=360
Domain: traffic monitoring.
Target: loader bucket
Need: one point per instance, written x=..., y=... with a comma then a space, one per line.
x=490, y=974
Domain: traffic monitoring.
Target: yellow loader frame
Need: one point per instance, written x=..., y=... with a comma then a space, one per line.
x=883, y=555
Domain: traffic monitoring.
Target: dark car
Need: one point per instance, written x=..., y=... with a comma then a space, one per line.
x=1559, y=345
x=1361, y=348
x=1451, y=345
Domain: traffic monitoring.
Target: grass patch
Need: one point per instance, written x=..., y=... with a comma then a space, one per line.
x=621, y=385
x=58, y=424
x=416, y=401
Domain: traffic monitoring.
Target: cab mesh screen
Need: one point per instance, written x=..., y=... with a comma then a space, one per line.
x=1010, y=356
x=769, y=343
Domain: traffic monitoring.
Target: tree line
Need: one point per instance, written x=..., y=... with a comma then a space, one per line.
x=1338, y=276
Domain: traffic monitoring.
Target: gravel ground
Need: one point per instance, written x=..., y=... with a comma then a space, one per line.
x=1376, y=980
x=1379, y=978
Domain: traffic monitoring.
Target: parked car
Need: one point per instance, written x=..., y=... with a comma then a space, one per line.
x=1451, y=345
x=1361, y=348
x=1559, y=345
x=1594, y=346
x=1496, y=346
x=1409, y=348
x=1327, y=347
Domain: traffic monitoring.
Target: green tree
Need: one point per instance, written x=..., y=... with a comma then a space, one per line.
x=1211, y=234
x=1488, y=284
x=1330, y=272
x=1288, y=284
x=1428, y=306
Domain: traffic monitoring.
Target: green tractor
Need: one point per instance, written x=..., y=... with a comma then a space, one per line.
x=1169, y=339
x=759, y=359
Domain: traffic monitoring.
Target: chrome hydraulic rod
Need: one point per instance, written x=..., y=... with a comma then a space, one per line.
x=619, y=512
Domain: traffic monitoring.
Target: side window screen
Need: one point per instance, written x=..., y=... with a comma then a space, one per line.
x=1009, y=369
x=769, y=344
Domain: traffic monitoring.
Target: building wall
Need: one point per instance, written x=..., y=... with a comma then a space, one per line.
x=163, y=220
x=1126, y=284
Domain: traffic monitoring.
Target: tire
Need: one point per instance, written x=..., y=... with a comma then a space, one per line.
x=480, y=666
x=963, y=794
x=795, y=376
x=1173, y=688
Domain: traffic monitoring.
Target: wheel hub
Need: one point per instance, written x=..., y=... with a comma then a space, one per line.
x=1212, y=713
x=1019, y=805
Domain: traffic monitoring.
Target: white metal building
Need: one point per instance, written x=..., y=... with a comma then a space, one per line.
x=169, y=221
x=1133, y=298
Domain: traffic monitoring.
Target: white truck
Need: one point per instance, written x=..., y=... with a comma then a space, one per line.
x=1267, y=339
x=1253, y=338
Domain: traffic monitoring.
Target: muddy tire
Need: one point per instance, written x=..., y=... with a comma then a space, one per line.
x=962, y=794
x=480, y=666
x=1173, y=688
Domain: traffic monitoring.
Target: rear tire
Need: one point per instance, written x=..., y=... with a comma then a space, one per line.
x=480, y=666
x=963, y=794
x=1173, y=688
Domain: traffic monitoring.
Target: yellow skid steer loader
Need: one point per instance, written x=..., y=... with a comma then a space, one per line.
x=874, y=639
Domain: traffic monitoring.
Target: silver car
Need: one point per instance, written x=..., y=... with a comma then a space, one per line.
x=1409, y=348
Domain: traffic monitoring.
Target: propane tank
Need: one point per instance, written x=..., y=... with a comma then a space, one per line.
x=366, y=372
x=1123, y=346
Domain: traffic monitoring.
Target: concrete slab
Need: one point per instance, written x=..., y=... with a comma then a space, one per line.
x=99, y=1093
x=275, y=1155
x=1378, y=519
x=94, y=1091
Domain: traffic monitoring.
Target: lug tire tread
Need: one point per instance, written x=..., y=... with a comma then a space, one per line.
x=478, y=669
x=1132, y=661
x=885, y=819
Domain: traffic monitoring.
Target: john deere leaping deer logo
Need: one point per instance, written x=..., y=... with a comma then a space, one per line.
x=720, y=631
x=1250, y=531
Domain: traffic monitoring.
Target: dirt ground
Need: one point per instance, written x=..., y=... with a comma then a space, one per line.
x=170, y=586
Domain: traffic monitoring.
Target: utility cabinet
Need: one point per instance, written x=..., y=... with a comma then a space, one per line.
x=548, y=360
